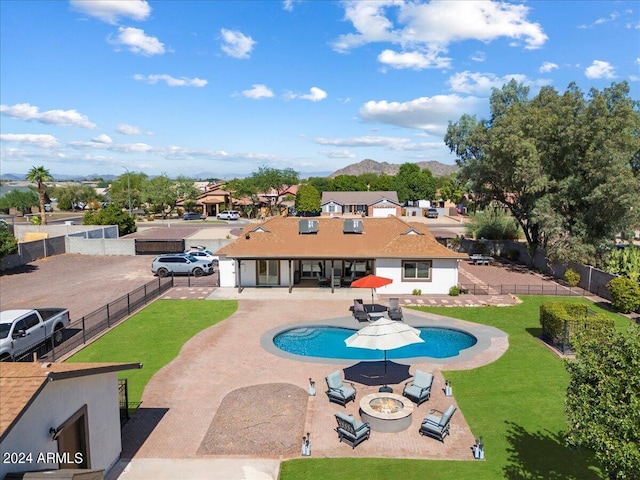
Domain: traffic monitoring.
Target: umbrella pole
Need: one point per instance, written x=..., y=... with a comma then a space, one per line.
x=385, y=388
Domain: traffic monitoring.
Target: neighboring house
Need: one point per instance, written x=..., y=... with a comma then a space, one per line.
x=212, y=201
x=371, y=204
x=288, y=252
x=63, y=415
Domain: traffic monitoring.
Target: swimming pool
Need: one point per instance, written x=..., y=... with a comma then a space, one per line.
x=328, y=342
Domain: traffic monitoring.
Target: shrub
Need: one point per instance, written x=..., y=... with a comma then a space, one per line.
x=625, y=294
x=577, y=318
x=454, y=291
x=417, y=291
x=493, y=224
x=572, y=277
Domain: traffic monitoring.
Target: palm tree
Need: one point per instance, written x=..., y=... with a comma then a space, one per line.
x=40, y=175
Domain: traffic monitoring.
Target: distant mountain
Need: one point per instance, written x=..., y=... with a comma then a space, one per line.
x=371, y=166
x=16, y=177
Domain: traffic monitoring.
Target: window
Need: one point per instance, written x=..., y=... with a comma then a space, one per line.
x=31, y=321
x=416, y=270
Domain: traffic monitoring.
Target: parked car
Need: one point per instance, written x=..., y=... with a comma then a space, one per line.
x=432, y=213
x=180, y=264
x=193, y=216
x=228, y=215
x=21, y=330
x=202, y=253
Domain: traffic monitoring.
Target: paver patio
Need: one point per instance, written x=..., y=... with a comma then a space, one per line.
x=182, y=399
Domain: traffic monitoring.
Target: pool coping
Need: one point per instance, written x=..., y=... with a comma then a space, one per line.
x=488, y=338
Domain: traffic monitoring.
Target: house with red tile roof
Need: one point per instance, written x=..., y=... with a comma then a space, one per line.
x=60, y=415
x=332, y=252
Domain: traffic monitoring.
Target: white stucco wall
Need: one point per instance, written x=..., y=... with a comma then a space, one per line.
x=337, y=208
x=444, y=275
x=248, y=273
x=57, y=402
x=227, y=272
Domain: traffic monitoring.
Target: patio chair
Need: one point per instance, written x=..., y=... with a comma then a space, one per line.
x=339, y=392
x=419, y=389
x=350, y=430
x=395, y=310
x=437, y=426
x=359, y=312
x=322, y=281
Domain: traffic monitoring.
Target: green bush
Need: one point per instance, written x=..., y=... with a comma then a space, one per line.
x=625, y=294
x=111, y=215
x=417, y=291
x=579, y=318
x=493, y=224
x=572, y=277
x=8, y=243
x=454, y=291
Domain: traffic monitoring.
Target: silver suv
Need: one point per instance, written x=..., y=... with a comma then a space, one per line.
x=228, y=215
x=180, y=263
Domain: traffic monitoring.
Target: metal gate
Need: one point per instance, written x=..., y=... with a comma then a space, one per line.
x=155, y=247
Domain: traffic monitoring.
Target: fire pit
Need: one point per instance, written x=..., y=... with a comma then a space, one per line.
x=386, y=412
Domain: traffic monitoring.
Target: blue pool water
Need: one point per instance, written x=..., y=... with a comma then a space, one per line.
x=328, y=342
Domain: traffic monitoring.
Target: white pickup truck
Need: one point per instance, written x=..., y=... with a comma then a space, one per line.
x=21, y=330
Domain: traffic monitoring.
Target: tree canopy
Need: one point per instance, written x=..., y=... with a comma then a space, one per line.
x=308, y=199
x=565, y=165
x=603, y=401
x=21, y=200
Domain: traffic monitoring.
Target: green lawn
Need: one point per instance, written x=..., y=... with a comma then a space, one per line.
x=154, y=337
x=515, y=403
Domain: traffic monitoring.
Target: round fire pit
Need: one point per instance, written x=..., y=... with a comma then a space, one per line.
x=386, y=412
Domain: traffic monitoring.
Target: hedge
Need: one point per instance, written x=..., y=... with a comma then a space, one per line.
x=577, y=317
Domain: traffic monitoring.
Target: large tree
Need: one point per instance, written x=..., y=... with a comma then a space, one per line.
x=274, y=182
x=413, y=184
x=308, y=199
x=39, y=175
x=603, y=401
x=127, y=187
x=72, y=196
x=160, y=194
x=21, y=200
x=562, y=164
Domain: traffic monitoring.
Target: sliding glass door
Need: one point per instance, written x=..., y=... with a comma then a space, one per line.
x=268, y=272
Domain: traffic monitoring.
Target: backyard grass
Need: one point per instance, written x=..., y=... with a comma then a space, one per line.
x=515, y=403
x=154, y=337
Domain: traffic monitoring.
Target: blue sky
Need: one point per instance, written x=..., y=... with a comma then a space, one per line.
x=225, y=87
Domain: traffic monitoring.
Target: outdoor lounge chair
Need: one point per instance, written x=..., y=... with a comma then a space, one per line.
x=322, y=281
x=419, y=389
x=394, y=311
x=351, y=430
x=437, y=426
x=359, y=312
x=339, y=392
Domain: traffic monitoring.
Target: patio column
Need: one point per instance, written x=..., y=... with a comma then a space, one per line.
x=290, y=276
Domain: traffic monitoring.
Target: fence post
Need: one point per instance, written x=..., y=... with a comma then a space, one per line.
x=53, y=348
x=128, y=303
x=145, y=293
x=84, y=332
x=564, y=337
x=108, y=319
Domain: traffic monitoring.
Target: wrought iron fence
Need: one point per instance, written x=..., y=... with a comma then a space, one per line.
x=552, y=290
x=91, y=325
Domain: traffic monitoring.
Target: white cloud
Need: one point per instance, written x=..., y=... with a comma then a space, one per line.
x=315, y=95
x=106, y=139
x=338, y=154
x=482, y=83
x=479, y=56
x=390, y=143
x=236, y=44
x=137, y=41
x=128, y=129
x=431, y=114
x=42, y=141
x=610, y=18
x=547, y=67
x=600, y=69
x=171, y=81
x=66, y=118
x=430, y=27
x=288, y=5
x=257, y=91
x=414, y=60
x=110, y=10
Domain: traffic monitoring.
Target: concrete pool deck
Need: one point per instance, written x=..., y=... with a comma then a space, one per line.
x=182, y=399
